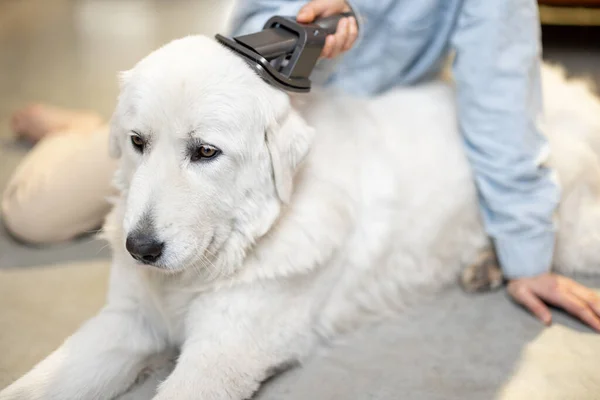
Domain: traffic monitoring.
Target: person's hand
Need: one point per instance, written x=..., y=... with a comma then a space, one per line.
x=347, y=29
x=559, y=291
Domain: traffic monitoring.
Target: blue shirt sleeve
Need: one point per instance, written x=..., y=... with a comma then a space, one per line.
x=497, y=69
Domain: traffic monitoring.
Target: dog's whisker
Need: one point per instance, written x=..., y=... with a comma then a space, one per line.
x=207, y=265
x=213, y=268
x=102, y=248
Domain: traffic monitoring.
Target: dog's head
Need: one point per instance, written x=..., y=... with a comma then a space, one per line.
x=208, y=152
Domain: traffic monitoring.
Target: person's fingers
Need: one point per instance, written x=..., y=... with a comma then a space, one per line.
x=308, y=13
x=580, y=309
x=587, y=295
x=321, y=8
x=314, y=9
x=347, y=29
x=559, y=291
x=329, y=45
x=529, y=300
x=341, y=35
x=352, y=34
x=560, y=295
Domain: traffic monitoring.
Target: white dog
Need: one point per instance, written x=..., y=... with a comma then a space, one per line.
x=238, y=246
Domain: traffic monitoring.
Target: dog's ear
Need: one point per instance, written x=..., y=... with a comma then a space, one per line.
x=288, y=141
x=114, y=145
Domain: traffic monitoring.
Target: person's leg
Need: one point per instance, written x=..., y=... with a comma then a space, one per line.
x=60, y=189
x=37, y=121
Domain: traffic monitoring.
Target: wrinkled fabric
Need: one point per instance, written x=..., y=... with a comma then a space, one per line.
x=496, y=67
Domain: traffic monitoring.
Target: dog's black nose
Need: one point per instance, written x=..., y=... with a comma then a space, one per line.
x=144, y=248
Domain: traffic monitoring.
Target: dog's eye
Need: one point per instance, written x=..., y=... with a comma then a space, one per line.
x=204, y=152
x=138, y=143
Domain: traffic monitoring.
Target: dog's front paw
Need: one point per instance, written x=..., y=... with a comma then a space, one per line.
x=157, y=368
x=484, y=274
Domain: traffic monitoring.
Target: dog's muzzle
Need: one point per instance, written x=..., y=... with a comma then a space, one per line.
x=144, y=248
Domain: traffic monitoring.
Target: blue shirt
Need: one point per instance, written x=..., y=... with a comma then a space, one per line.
x=496, y=68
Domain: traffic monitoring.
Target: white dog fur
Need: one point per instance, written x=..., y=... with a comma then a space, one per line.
x=270, y=247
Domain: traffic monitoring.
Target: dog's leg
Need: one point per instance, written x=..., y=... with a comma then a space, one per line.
x=484, y=274
x=241, y=337
x=100, y=361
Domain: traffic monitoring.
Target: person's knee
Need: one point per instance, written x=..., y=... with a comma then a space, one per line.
x=20, y=218
x=59, y=191
x=49, y=218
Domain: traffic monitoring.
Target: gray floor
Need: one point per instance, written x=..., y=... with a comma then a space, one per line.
x=454, y=347
x=451, y=349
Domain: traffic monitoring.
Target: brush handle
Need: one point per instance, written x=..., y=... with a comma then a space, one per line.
x=329, y=24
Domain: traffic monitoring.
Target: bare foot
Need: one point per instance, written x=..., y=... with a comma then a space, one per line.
x=38, y=120
x=484, y=274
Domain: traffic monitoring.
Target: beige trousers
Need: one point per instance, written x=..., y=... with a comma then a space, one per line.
x=60, y=189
